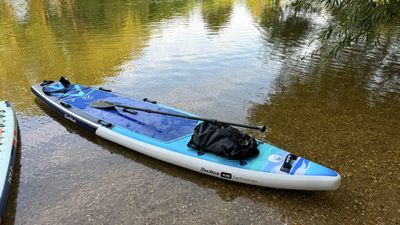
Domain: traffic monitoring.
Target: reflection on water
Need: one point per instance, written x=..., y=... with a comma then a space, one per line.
x=215, y=58
x=84, y=40
x=216, y=13
x=187, y=66
x=343, y=113
x=20, y=9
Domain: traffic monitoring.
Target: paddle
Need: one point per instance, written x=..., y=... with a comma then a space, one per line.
x=101, y=104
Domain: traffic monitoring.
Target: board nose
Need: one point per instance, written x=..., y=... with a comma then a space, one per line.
x=319, y=170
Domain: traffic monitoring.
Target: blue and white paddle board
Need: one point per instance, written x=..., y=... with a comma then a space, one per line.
x=8, y=148
x=166, y=138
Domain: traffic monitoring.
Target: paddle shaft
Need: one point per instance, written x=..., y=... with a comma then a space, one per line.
x=261, y=128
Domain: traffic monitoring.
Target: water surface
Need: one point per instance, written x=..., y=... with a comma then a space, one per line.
x=229, y=59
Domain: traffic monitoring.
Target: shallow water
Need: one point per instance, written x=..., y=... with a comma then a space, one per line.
x=234, y=60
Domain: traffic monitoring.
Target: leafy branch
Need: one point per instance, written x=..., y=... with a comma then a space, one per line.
x=353, y=22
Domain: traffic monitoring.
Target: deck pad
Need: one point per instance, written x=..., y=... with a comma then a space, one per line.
x=160, y=127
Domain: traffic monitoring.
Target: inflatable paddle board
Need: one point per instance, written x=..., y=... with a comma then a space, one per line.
x=166, y=137
x=8, y=148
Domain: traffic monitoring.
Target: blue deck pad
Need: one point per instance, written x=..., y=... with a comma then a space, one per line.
x=64, y=93
x=160, y=127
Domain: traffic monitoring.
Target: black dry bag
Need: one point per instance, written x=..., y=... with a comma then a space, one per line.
x=223, y=140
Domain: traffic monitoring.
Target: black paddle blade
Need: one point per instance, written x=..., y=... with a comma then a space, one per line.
x=101, y=104
x=262, y=128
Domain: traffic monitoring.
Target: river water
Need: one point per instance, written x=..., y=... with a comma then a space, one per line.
x=241, y=60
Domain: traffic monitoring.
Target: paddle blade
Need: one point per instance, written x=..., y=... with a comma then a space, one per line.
x=101, y=104
x=262, y=128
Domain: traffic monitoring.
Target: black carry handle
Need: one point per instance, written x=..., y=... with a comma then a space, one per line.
x=107, y=104
x=149, y=100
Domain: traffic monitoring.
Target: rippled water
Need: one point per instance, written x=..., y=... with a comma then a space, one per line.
x=230, y=59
